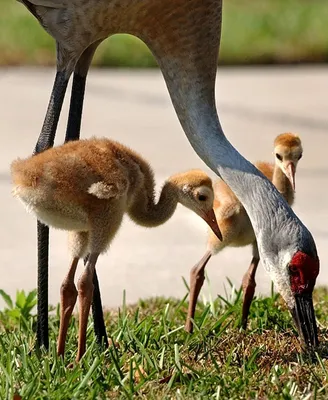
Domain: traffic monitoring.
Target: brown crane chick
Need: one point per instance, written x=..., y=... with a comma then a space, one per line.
x=236, y=228
x=86, y=187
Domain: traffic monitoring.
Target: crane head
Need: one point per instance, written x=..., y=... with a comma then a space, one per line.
x=294, y=275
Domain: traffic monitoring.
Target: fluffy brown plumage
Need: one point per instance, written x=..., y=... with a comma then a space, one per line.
x=236, y=228
x=86, y=187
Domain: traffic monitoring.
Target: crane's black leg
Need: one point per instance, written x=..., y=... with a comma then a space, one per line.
x=42, y=305
x=73, y=133
x=97, y=314
x=46, y=140
x=48, y=132
x=75, y=108
x=77, y=96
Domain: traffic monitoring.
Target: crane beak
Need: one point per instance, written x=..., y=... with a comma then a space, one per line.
x=304, y=318
x=211, y=221
x=290, y=173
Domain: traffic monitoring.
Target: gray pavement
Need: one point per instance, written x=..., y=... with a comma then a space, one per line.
x=255, y=104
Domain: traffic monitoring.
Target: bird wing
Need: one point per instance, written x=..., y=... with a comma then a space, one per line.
x=104, y=190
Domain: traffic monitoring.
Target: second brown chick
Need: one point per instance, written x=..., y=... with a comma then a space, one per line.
x=235, y=225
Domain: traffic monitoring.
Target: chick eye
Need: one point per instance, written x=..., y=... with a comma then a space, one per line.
x=279, y=156
x=300, y=156
x=202, y=197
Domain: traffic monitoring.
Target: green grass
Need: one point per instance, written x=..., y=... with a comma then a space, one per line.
x=254, y=31
x=153, y=357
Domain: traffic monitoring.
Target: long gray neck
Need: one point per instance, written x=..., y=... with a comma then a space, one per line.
x=263, y=203
x=275, y=224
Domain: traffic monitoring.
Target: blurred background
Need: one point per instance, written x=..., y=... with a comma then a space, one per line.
x=254, y=32
x=272, y=78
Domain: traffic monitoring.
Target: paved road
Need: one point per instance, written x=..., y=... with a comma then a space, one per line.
x=134, y=108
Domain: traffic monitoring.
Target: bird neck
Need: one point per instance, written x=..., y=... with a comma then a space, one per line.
x=144, y=211
x=275, y=224
x=282, y=183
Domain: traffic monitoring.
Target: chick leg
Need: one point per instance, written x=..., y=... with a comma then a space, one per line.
x=85, y=293
x=197, y=276
x=248, y=285
x=68, y=295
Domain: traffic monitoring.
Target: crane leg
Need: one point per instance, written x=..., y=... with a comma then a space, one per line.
x=46, y=140
x=85, y=293
x=75, y=108
x=73, y=133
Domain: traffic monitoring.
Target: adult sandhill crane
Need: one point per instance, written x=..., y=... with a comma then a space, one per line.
x=235, y=225
x=86, y=187
x=184, y=36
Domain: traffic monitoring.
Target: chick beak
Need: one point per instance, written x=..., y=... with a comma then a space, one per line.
x=304, y=318
x=210, y=219
x=290, y=173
